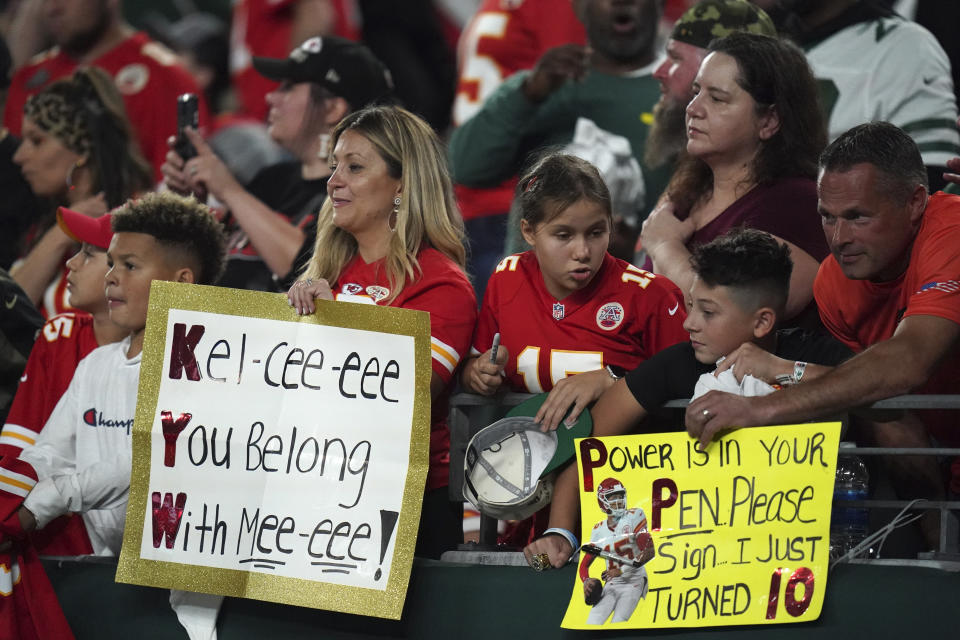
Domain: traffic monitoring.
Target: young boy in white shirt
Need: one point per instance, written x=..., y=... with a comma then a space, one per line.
x=81, y=460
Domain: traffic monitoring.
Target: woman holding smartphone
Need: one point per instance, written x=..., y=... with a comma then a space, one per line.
x=271, y=219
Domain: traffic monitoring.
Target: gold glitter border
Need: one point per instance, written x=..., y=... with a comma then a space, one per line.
x=230, y=582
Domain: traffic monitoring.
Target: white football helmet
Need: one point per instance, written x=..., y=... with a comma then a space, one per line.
x=612, y=496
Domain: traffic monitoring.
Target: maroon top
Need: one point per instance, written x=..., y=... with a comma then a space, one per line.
x=787, y=209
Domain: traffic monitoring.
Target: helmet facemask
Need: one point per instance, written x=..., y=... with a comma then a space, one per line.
x=617, y=503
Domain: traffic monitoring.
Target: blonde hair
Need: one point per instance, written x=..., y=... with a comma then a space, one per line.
x=427, y=213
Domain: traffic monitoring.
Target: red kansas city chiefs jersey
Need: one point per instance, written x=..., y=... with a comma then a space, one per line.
x=503, y=37
x=63, y=342
x=445, y=293
x=146, y=73
x=622, y=318
x=263, y=28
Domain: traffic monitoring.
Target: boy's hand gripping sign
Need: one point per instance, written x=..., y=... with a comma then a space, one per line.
x=277, y=457
x=677, y=537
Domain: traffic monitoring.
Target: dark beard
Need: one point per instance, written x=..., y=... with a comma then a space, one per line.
x=668, y=135
x=81, y=43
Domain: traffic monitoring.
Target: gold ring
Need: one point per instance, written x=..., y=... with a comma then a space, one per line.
x=540, y=562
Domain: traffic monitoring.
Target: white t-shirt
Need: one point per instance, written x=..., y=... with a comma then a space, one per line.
x=83, y=454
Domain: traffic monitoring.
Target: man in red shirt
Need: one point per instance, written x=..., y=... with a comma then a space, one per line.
x=890, y=290
x=146, y=73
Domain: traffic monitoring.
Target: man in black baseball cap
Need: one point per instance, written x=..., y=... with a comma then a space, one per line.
x=347, y=69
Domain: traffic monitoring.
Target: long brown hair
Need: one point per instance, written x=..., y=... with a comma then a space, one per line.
x=776, y=75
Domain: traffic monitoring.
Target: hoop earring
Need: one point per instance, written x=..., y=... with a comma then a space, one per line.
x=69, y=178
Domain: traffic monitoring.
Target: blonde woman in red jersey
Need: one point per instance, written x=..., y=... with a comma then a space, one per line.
x=390, y=233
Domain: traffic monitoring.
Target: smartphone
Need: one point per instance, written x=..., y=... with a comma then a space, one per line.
x=188, y=115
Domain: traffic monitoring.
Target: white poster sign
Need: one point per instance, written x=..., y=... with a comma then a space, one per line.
x=273, y=451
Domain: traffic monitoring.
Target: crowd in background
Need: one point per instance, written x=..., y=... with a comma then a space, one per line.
x=446, y=57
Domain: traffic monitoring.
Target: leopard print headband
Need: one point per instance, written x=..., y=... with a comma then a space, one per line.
x=68, y=122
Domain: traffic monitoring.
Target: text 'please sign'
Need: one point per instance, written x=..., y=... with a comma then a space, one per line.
x=736, y=534
x=277, y=457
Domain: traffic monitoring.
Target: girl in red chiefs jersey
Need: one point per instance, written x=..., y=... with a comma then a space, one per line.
x=390, y=233
x=571, y=317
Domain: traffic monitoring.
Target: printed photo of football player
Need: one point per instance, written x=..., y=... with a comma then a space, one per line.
x=622, y=540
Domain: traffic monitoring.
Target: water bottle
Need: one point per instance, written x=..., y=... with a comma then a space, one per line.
x=848, y=526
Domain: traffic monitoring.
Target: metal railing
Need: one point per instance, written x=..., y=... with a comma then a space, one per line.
x=470, y=412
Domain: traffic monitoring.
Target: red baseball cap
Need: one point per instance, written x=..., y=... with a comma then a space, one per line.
x=83, y=228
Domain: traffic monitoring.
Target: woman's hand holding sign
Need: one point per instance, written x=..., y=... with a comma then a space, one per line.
x=303, y=292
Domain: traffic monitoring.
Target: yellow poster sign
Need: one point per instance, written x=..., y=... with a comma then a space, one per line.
x=678, y=537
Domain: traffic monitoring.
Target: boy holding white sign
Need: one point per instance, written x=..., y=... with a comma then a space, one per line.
x=81, y=460
x=738, y=294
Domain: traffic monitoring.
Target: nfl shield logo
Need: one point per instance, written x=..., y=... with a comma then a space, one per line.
x=557, y=311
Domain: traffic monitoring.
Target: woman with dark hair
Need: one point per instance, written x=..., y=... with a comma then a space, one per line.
x=754, y=131
x=78, y=150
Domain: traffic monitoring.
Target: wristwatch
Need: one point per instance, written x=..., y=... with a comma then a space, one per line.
x=798, y=368
x=616, y=372
x=786, y=379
